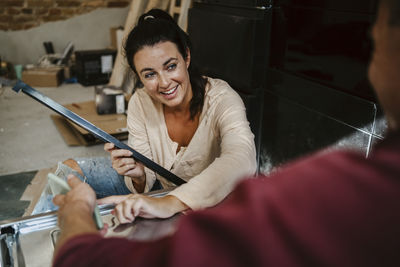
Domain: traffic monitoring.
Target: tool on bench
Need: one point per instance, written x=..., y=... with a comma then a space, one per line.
x=96, y=131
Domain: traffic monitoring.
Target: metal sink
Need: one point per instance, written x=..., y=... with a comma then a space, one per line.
x=30, y=241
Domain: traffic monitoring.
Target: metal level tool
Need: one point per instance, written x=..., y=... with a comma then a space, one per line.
x=95, y=131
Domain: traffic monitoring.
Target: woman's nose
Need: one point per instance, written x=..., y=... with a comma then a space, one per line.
x=163, y=81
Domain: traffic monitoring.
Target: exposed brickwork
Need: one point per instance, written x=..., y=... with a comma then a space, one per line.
x=66, y=3
x=25, y=14
x=5, y=18
x=11, y=3
x=27, y=11
x=14, y=11
x=55, y=12
x=116, y=4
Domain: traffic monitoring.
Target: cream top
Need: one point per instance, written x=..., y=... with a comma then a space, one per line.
x=221, y=152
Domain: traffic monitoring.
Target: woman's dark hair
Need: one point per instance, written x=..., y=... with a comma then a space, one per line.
x=158, y=26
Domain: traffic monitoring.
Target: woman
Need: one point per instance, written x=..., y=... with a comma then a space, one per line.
x=194, y=126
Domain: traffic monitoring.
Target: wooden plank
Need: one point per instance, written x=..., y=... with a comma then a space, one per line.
x=183, y=15
x=172, y=7
x=161, y=4
x=121, y=66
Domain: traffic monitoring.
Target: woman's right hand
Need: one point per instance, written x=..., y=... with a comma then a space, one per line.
x=123, y=163
x=128, y=207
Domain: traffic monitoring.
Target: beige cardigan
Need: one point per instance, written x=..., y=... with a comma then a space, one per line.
x=221, y=152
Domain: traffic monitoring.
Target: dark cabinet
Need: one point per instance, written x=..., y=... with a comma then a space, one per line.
x=301, y=67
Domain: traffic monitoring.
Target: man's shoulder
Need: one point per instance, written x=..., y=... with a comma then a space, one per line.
x=323, y=161
x=322, y=173
x=326, y=169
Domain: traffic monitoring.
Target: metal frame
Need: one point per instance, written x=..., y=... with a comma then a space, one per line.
x=96, y=131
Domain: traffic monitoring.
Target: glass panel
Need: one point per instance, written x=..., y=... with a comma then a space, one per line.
x=291, y=130
x=347, y=109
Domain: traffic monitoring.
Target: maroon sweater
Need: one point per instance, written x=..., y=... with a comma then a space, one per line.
x=335, y=209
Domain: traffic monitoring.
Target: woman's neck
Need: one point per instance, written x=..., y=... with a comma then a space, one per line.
x=182, y=110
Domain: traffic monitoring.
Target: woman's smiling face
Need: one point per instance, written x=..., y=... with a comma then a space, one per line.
x=164, y=74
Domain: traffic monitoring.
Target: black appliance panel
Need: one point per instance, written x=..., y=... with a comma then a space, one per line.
x=324, y=42
x=359, y=6
x=231, y=44
x=241, y=3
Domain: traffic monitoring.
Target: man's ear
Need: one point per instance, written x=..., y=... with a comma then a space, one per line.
x=188, y=58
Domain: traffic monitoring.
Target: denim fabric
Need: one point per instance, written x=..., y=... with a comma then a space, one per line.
x=98, y=173
x=101, y=176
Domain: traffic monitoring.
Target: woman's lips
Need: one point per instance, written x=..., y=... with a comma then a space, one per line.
x=169, y=92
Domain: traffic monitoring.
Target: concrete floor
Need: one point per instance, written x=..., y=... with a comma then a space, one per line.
x=29, y=139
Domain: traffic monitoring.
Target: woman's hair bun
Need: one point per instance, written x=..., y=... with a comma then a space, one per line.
x=155, y=14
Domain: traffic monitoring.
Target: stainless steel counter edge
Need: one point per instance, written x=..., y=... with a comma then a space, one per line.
x=49, y=219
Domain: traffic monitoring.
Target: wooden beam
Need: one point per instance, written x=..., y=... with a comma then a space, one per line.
x=121, y=66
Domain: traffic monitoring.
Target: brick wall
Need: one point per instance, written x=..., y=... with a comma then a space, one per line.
x=25, y=14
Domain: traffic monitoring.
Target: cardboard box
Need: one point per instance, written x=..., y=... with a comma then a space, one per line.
x=74, y=135
x=43, y=77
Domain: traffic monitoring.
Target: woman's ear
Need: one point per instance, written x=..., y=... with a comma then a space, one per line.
x=187, y=60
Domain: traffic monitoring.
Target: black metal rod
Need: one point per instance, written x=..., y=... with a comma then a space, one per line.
x=96, y=131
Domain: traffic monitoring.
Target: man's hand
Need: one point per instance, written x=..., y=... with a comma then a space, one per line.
x=129, y=207
x=80, y=192
x=75, y=215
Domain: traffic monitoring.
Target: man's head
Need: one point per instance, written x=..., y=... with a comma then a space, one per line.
x=384, y=70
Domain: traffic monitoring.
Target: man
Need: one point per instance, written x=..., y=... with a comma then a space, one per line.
x=336, y=209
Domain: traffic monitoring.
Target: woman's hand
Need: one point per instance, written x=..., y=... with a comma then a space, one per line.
x=129, y=207
x=123, y=163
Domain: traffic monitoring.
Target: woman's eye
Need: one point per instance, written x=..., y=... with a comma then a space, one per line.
x=171, y=66
x=149, y=75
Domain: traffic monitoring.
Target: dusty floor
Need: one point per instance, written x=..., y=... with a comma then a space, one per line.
x=29, y=141
x=28, y=138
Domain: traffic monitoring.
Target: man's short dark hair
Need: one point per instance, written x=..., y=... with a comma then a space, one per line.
x=394, y=9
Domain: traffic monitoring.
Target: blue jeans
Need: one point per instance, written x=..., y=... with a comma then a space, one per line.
x=98, y=173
